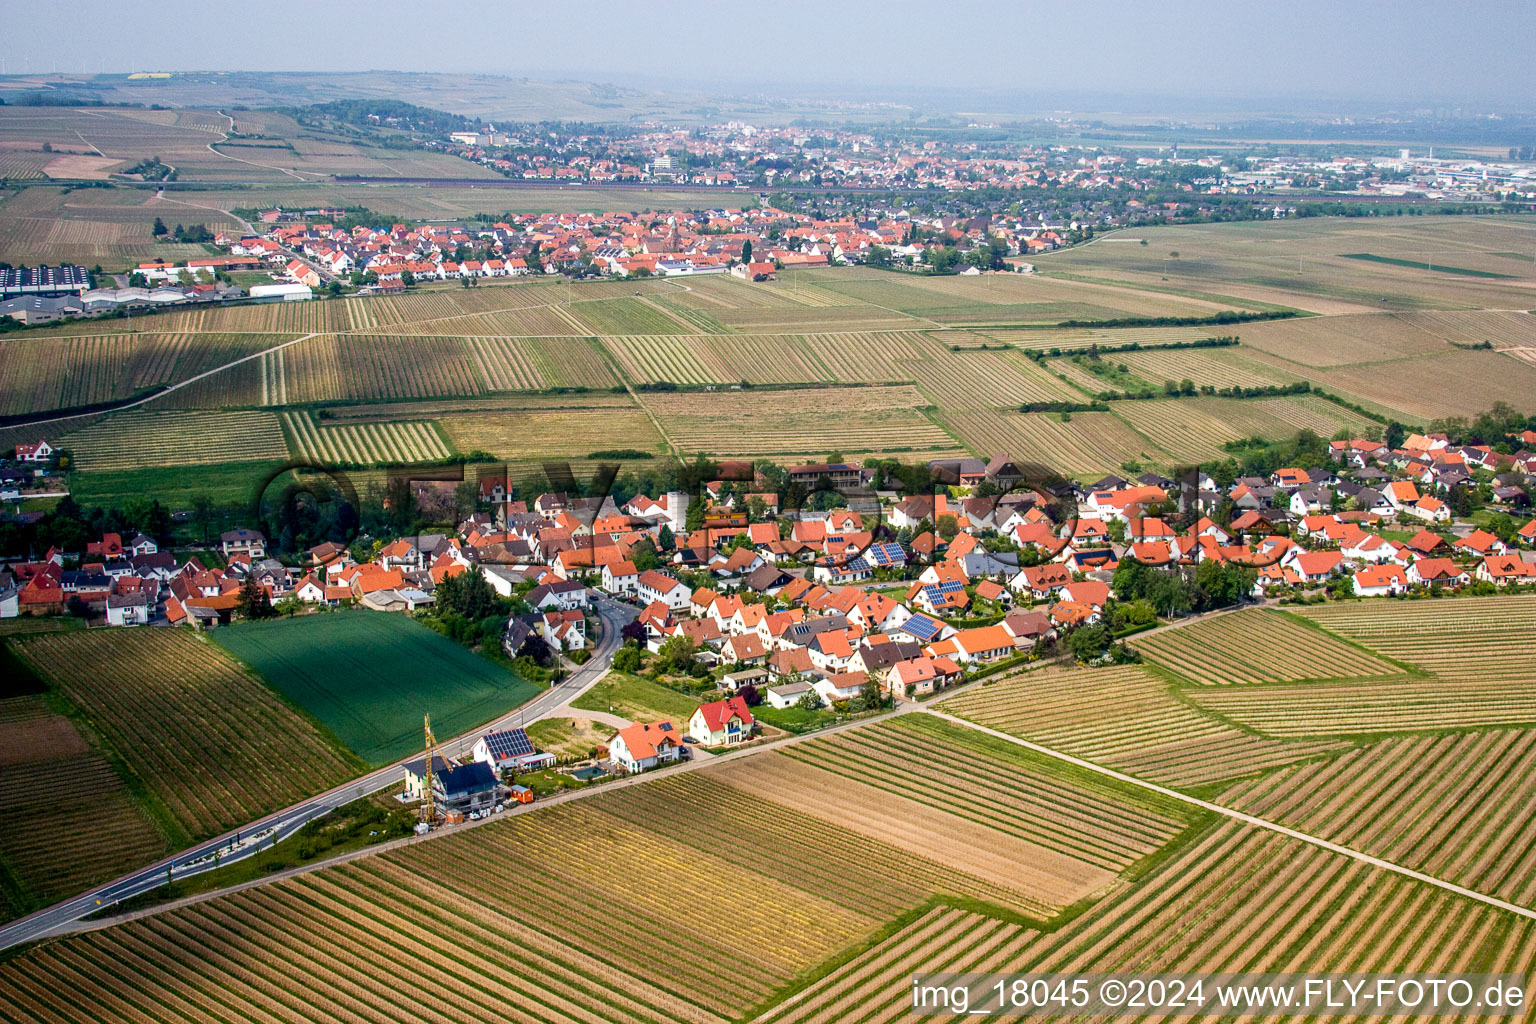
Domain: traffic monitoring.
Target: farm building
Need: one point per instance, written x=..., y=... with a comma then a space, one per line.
x=290, y=292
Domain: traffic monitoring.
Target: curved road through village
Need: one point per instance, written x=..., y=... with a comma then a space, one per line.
x=284, y=823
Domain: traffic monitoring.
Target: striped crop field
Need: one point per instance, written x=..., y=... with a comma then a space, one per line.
x=876, y=984
x=139, y=437
x=42, y=374
x=800, y=318
x=570, y=362
x=971, y=378
x=1454, y=806
x=370, y=367
x=81, y=828
x=544, y=320
x=1257, y=646
x=1236, y=900
x=214, y=746
x=372, y=312
x=383, y=444
x=1195, y=429
x=627, y=316
x=723, y=359
x=766, y=359
x=570, y=913
x=1126, y=718
x=706, y=814
x=1473, y=639
x=1089, y=442
x=1394, y=704
x=651, y=358
x=858, y=356
x=1505, y=329
x=21, y=165
x=505, y=363
x=975, y=804
x=1217, y=367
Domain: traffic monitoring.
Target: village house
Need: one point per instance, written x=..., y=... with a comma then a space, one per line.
x=721, y=722
x=645, y=745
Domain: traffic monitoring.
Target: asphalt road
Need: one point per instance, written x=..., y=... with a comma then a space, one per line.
x=284, y=823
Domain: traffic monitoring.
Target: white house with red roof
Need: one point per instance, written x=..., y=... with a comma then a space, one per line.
x=721, y=722
x=39, y=451
x=643, y=745
x=654, y=585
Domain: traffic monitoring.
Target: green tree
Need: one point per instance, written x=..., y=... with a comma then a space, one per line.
x=1088, y=642
x=160, y=228
x=469, y=594
x=675, y=656
x=948, y=526
x=254, y=600
x=746, y=251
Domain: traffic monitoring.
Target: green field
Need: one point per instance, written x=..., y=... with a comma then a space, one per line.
x=1422, y=265
x=370, y=677
x=638, y=699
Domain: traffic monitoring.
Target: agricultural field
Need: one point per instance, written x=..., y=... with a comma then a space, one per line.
x=351, y=367
x=1301, y=263
x=570, y=431
x=1326, y=341
x=384, y=444
x=1257, y=646
x=1454, y=805
x=1216, y=367
x=358, y=673
x=1501, y=329
x=82, y=828
x=626, y=316
x=1376, y=706
x=1126, y=718
x=49, y=224
x=1194, y=430
x=978, y=805
x=802, y=422
x=1474, y=640
x=22, y=164
x=1456, y=383
x=1238, y=899
x=143, y=438
x=211, y=745
x=975, y=378
x=1082, y=443
x=41, y=374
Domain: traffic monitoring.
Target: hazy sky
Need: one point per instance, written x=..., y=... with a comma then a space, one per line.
x=1390, y=55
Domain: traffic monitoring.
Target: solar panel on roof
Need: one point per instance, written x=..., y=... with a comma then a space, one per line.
x=922, y=627
x=511, y=743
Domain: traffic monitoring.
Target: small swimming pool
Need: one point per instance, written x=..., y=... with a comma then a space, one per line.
x=588, y=774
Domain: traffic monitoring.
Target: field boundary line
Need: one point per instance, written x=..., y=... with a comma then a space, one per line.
x=1248, y=819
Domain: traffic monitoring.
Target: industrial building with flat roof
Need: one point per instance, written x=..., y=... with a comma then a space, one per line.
x=43, y=281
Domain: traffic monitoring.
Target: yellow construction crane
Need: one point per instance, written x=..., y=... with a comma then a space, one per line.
x=429, y=801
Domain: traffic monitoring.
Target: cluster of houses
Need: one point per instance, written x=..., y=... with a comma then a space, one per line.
x=822, y=602
x=616, y=243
